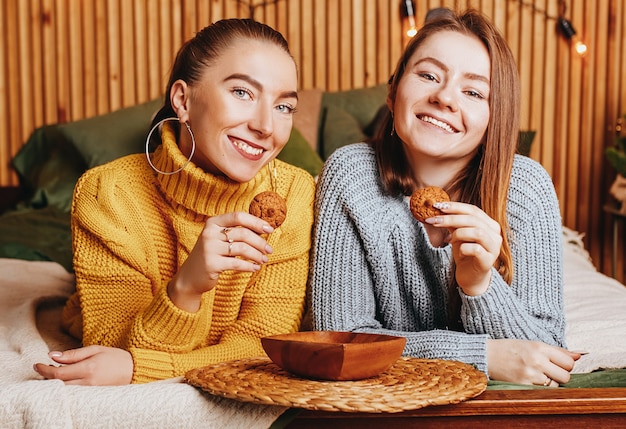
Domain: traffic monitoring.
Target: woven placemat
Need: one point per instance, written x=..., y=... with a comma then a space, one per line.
x=409, y=384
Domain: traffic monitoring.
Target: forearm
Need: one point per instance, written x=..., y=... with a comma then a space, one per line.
x=499, y=313
x=532, y=306
x=266, y=309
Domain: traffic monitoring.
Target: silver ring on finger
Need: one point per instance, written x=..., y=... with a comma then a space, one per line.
x=230, y=248
x=225, y=231
x=547, y=382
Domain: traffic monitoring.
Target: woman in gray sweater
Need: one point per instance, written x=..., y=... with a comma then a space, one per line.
x=482, y=282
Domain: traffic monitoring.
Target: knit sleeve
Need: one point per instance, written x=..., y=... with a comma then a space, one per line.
x=116, y=261
x=532, y=306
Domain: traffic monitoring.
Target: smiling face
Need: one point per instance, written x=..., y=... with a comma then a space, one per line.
x=441, y=108
x=240, y=111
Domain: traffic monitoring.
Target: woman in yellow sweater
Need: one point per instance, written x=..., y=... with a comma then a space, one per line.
x=172, y=272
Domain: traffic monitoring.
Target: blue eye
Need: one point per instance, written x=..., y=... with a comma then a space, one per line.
x=242, y=93
x=286, y=108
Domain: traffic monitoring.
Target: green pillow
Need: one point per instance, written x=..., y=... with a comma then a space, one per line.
x=346, y=115
x=107, y=137
x=525, y=141
x=339, y=128
x=299, y=152
x=362, y=103
x=48, y=166
x=37, y=235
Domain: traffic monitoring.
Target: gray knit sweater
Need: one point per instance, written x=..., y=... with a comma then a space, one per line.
x=374, y=269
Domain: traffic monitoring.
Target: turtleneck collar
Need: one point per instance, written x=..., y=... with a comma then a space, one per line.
x=197, y=190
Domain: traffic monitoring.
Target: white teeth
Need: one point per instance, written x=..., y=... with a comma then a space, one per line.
x=247, y=148
x=440, y=124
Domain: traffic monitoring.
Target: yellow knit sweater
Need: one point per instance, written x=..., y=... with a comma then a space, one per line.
x=133, y=228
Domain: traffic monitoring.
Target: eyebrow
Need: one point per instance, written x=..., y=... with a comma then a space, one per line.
x=473, y=76
x=258, y=85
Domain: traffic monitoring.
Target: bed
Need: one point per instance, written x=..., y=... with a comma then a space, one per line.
x=32, y=294
x=36, y=278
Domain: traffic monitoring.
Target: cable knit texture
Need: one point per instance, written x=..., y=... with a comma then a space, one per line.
x=374, y=269
x=133, y=228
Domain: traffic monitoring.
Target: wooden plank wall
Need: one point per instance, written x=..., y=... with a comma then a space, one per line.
x=64, y=60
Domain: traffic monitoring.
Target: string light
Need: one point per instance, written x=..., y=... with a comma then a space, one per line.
x=563, y=24
x=409, y=12
x=568, y=31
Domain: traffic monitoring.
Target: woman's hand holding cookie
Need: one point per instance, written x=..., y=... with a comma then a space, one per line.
x=476, y=241
x=230, y=241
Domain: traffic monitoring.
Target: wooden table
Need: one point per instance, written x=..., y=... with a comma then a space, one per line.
x=542, y=408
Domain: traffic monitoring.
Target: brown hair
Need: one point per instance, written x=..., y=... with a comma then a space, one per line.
x=205, y=48
x=485, y=180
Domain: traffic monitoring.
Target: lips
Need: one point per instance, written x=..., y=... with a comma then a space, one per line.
x=246, y=148
x=436, y=122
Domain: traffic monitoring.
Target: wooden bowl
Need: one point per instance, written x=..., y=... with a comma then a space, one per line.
x=333, y=355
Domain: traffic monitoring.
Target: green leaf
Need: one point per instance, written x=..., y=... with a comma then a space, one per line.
x=617, y=158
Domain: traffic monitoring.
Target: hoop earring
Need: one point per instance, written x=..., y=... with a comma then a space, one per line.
x=193, y=147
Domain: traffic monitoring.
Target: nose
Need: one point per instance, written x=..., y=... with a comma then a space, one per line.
x=445, y=97
x=263, y=121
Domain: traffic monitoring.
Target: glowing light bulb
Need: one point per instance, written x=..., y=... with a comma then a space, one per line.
x=580, y=47
x=412, y=31
x=568, y=31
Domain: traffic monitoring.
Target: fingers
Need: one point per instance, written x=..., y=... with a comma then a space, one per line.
x=92, y=365
x=563, y=359
x=72, y=369
x=473, y=231
x=244, y=243
x=561, y=363
x=529, y=362
x=243, y=219
x=231, y=241
x=549, y=382
x=576, y=354
x=70, y=374
x=458, y=214
x=241, y=235
x=73, y=355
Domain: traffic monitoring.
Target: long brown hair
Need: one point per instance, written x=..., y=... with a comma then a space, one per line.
x=485, y=180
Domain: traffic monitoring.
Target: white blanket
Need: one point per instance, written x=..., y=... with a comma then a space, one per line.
x=32, y=296
x=27, y=401
x=595, y=310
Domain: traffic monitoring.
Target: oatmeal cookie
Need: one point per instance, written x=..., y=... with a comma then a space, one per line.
x=422, y=202
x=270, y=207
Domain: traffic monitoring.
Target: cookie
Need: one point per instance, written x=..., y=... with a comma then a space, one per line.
x=270, y=207
x=423, y=199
